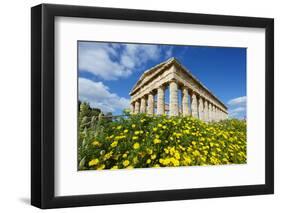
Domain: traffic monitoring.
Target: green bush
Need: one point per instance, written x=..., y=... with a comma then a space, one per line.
x=141, y=141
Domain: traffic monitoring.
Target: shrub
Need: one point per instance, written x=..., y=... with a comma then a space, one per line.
x=141, y=141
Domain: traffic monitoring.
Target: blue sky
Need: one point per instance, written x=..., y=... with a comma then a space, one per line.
x=108, y=71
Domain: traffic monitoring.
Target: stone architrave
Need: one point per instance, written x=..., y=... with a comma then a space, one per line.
x=173, y=106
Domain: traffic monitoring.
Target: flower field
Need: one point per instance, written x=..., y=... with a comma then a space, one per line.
x=141, y=141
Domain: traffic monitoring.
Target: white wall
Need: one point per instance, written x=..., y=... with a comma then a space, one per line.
x=15, y=106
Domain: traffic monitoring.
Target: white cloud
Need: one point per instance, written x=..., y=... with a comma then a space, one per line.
x=114, y=61
x=237, y=101
x=99, y=96
x=97, y=59
x=237, y=107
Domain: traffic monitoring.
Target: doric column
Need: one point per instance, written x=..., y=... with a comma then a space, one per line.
x=185, y=101
x=137, y=107
x=206, y=111
x=213, y=113
x=210, y=112
x=194, y=107
x=150, y=104
x=201, y=109
x=143, y=105
x=132, y=107
x=161, y=100
x=173, y=106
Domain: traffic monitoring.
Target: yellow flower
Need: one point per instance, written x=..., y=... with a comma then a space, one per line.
x=108, y=155
x=177, y=155
x=96, y=143
x=94, y=162
x=137, y=132
x=203, y=159
x=119, y=127
x=186, y=131
x=124, y=155
x=165, y=162
x=114, y=144
x=135, y=137
x=149, y=151
x=148, y=161
x=101, y=167
x=120, y=137
x=188, y=160
x=126, y=163
x=136, y=145
x=153, y=156
x=154, y=129
x=114, y=167
x=196, y=153
x=133, y=125
x=125, y=131
x=175, y=162
x=156, y=141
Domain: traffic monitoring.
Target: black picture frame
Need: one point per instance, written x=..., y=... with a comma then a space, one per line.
x=43, y=102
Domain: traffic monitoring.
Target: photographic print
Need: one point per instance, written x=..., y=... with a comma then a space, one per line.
x=154, y=105
x=155, y=101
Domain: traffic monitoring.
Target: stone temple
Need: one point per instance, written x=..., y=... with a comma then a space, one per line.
x=187, y=95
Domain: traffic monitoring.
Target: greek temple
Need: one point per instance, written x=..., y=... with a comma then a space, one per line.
x=187, y=95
